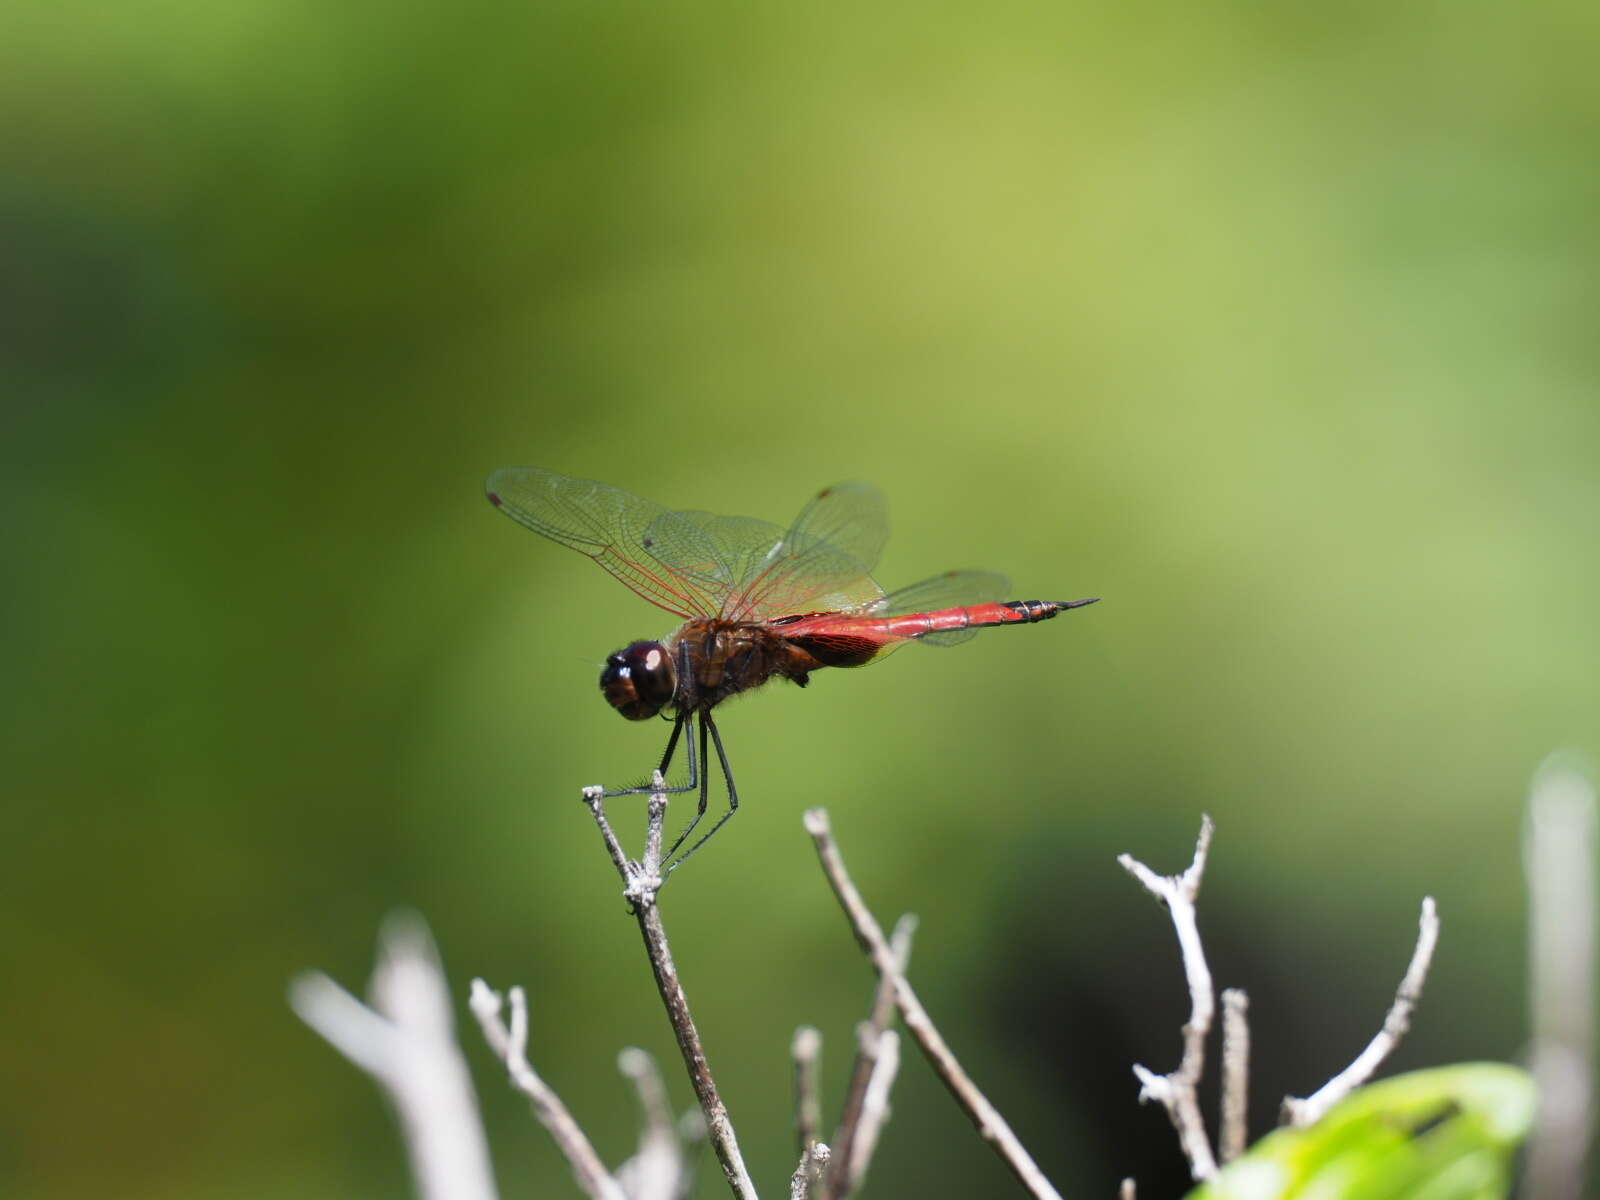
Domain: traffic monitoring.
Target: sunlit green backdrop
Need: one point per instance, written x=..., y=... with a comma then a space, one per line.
x=1272, y=324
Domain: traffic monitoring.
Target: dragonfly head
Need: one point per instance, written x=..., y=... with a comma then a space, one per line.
x=639, y=680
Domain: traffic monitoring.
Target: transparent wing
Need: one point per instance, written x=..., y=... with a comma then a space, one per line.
x=823, y=563
x=953, y=589
x=739, y=547
x=669, y=558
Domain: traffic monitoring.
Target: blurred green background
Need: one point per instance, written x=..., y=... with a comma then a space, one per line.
x=1272, y=324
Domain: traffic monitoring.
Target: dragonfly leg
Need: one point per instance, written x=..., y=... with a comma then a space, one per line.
x=666, y=761
x=705, y=786
x=733, y=792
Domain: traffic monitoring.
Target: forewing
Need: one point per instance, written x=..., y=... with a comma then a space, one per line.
x=824, y=562
x=953, y=589
x=740, y=547
x=640, y=543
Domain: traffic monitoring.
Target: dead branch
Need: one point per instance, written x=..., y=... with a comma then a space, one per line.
x=1560, y=848
x=1178, y=1090
x=1235, y=1132
x=843, y=1174
x=406, y=1041
x=813, y=1162
x=985, y=1117
x=510, y=1046
x=657, y=1170
x=805, y=1049
x=641, y=884
x=875, y=1105
x=1395, y=1025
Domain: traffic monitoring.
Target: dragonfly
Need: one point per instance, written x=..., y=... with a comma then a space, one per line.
x=758, y=602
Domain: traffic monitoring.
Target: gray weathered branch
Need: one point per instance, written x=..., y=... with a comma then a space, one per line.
x=985, y=1117
x=641, y=884
x=1395, y=1025
x=406, y=1041
x=1178, y=1089
x=510, y=1046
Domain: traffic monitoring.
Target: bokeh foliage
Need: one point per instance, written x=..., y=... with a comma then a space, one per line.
x=1449, y=1133
x=1272, y=324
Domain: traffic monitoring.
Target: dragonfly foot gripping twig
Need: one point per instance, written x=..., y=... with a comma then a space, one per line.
x=641, y=882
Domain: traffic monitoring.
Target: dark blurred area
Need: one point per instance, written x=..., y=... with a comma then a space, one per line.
x=1271, y=325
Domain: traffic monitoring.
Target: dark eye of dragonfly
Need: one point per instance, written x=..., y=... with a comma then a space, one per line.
x=638, y=680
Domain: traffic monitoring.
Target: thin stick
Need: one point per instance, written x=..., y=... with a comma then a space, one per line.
x=510, y=1046
x=1395, y=1025
x=804, y=1049
x=1235, y=1075
x=406, y=1042
x=641, y=883
x=990, y=1124
x=1560, y=848
x=869, y=1034
x=655, y=1172
x=1178, y=1090
x=593, y=796
x=875, y=1105
x=813, y=1162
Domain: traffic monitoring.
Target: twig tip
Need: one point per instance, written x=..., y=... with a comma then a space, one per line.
x=482, y=998
x=807, y=1042
x=633, y=1062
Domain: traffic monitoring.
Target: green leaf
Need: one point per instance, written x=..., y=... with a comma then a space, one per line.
x=1445, y=1134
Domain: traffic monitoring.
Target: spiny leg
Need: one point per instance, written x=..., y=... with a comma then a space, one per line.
x=733, y=792
x=705, y=785
x=666, y=761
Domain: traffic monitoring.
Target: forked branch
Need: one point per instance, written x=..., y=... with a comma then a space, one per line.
x=641, y=883
x=1177, y=1090
x=849, y=1162
x=990, y=1124
x=406, y=1041
x=510, y=1046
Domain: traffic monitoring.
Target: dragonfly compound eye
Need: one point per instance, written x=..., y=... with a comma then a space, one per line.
x=638, y=680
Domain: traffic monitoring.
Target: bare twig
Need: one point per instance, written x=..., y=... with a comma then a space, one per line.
x=804, y=1049
x=875, y=1105
x=990, y=1124
x=1560, y=848
x=692, y=1137
x=641, y=883
x=813, y=1162
x=1395, y=1025
x=869, y=1038
x=1177, y=1090
x=406, y=1041
x=656, y=1170
x=1235, y=1133
x=510, y=1046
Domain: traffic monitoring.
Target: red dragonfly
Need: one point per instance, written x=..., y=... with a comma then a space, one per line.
x=758, y=602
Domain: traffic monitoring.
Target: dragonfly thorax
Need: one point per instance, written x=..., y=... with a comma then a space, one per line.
x=717, y=659
x=639, y=680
